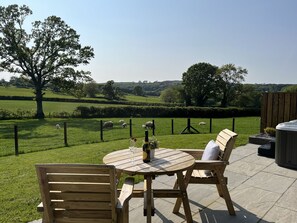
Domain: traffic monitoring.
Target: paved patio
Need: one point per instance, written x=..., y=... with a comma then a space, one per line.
x=261, y=192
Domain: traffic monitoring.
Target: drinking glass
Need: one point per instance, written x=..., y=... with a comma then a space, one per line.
x=132, y=147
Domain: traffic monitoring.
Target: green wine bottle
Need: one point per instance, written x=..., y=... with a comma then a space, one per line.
x=145, y=148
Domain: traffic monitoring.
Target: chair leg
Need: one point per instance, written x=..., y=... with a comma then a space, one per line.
x=222, y=187
x=219, y=190
x=228, y=200
x=123, y=214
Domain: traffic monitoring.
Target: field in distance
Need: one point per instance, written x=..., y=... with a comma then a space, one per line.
x=50, y=107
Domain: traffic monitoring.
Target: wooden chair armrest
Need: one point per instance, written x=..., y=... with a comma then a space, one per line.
x=209, y=164
x=40, y=207
x=196, y=153
x=126, y=192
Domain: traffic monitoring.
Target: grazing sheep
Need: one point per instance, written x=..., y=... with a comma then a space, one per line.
x=124, y=125
x=58, y=126
x=121, y=121
x=149, y=125
x=108, y=124
x=202, y=123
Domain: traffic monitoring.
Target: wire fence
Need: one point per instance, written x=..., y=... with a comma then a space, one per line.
x=18, y=137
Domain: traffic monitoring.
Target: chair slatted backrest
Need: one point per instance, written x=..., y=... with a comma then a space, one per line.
x=226, y=140
x=78, y=192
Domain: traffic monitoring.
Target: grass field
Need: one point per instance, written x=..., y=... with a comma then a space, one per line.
x=56, y=107
x=14, y=91
x=36, y=135
x=49, y=107
x=150, y=99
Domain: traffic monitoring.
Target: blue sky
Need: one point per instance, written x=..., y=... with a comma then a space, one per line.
x=156, y=40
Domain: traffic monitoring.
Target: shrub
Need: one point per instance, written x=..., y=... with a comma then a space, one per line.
x=270, y=131
x=163, y=111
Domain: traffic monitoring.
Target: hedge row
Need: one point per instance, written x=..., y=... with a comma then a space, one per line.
x=139, y=111
x=104, y=101
x=163, y=111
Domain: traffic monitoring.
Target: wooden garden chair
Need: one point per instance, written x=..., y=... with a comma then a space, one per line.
x=82, y=193
x=216, y=168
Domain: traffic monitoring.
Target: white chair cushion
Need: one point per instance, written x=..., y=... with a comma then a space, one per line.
x=211, y=152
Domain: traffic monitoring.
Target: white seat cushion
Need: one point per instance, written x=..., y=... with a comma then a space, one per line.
x=211, y=152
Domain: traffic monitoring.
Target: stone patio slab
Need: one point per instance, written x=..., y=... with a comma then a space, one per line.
x=270, y=182
x=289, y=199
x=280, y=215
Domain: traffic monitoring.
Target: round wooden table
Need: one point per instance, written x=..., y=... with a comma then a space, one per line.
x=166, y=161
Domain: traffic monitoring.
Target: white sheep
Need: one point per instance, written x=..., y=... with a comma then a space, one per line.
x=149, y=125
x=58, y=126
x=202, y=123
x=122, y=121
x=108, y=124
x=124, y=124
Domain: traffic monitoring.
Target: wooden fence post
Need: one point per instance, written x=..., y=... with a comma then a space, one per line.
x=172, y=127
x=153, y=127
x=101, y=130
x=130, y=126
x=65, y=134
x=16, y=140
x=233, y=124
x=210, y=125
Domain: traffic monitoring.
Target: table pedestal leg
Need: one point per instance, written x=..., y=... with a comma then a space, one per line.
x=148, y=199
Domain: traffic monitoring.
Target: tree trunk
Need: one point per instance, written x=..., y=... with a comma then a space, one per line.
x=39, y=111
x=224, y=100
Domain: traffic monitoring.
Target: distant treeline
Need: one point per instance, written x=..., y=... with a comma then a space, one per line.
x=149, y=88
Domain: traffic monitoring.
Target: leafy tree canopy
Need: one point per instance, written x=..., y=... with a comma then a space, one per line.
x=231, y=78
x=49, y=53
x=110, y=91
x=290, y=89
x=200, y=83
x=138, y=91
x=172, y=95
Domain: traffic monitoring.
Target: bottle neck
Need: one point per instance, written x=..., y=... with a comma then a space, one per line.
x=146, y=136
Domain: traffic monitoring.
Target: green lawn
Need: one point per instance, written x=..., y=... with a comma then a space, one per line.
x=36, y=135
x=19, y=194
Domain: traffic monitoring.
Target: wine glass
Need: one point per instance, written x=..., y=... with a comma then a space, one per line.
x=132, y=147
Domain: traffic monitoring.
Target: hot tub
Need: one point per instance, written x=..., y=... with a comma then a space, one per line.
x=286, y=144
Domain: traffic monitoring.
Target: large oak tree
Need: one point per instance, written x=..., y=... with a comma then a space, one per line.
x=48, y=54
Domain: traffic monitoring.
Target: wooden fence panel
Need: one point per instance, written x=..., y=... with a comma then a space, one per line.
x=287, y=107
x=281, y=107
x=293, y=106
x=277, y=108
x=269, y=109
x=275, y=105
x=264, y=112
